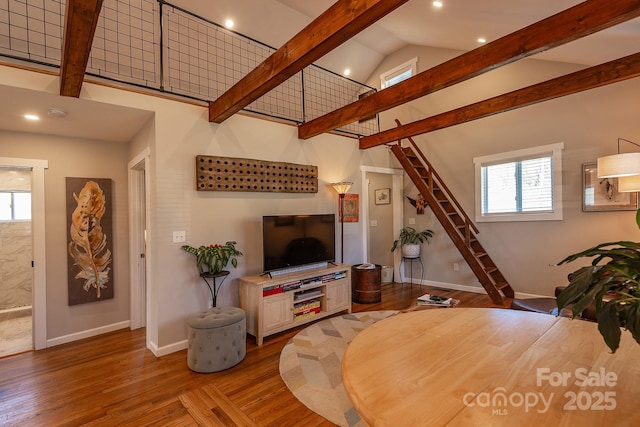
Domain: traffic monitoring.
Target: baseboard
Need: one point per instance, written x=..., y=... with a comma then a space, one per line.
x=171, y=348
x=87, y=334
x=524, y=295
x=475, y=289
x=454, y=286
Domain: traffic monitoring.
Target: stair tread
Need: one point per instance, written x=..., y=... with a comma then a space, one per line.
x=490, y=276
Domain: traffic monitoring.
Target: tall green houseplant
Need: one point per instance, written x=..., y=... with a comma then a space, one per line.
x=614, y=272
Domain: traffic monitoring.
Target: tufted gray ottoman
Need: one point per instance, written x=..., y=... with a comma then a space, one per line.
x=216, y=339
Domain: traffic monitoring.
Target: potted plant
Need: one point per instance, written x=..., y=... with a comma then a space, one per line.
x=211, y=261
x=614, y=274
x=410, y=240
x=214, y=257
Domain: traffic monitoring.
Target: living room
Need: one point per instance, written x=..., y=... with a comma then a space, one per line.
x=170, y=134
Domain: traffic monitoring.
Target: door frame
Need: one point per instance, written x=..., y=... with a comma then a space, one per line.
x=39, y=293
x=397, y=187
x=139, y=221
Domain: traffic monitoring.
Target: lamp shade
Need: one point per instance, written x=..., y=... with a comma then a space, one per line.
x=628, y=184
x=625, y=164
x=342, y=187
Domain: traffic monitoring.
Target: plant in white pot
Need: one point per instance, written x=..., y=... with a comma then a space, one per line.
x=410, y=240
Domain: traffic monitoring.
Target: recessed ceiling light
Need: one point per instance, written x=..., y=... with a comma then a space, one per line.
x=229, y=23
x=482, y=40
x=32, y=117
x=437, y=4
x=347, y=72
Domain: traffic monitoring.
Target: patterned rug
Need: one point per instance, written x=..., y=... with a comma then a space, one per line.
x=310, y=364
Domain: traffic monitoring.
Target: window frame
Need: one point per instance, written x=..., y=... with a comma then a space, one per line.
x=12, y=206
x=554, y=150
x=411, y=64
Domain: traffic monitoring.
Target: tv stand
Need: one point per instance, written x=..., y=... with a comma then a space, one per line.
x=277, y=304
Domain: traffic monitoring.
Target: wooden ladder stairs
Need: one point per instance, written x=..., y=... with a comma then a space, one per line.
x=455, y=221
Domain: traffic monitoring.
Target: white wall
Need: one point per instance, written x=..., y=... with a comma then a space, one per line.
x=588, y=123
x=70, y=157
x=179, y=132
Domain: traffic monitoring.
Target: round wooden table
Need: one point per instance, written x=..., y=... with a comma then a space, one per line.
x=481, y=367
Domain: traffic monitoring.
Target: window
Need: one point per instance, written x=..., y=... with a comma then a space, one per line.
x=522, y=185
x=399, y=73
x=15, y=205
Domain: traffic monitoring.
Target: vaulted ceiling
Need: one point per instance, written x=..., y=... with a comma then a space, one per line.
x=592, y=33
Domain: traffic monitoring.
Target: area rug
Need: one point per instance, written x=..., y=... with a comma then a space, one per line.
x=310, y=364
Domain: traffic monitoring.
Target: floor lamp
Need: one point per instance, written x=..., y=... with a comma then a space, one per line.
x=342, y=188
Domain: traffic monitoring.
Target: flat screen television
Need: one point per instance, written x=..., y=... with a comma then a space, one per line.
x=297, y=240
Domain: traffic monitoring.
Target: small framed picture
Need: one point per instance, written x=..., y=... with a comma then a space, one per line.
x=383, y=196
x=351, y=208
x=601, y=194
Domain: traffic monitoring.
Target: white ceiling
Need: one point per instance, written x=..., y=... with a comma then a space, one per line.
x=455, y=26
x=85, y=119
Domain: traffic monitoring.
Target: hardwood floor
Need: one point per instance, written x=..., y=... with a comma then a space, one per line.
x=113, y=380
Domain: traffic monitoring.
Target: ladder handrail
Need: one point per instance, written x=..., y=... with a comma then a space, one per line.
x=441, y=183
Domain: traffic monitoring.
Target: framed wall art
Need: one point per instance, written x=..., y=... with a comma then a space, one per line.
x=601, y=194
x=351, y=208
x=89, y=240
x=383, y=196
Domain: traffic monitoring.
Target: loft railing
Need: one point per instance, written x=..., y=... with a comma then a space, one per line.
x=155, y=45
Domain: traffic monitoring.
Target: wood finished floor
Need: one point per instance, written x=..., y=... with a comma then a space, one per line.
x=113, y=380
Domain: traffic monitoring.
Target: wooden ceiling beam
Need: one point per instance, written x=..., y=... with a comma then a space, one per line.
x=589, y=78
x=81, y=19
x=335, y=26
x=576, y=22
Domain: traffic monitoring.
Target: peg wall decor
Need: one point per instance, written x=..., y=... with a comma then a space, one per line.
x=214, y=173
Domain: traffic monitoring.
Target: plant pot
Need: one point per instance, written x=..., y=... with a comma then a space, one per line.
x=411, y=250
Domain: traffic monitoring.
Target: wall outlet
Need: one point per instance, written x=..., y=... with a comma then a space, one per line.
x=179, y=236
x=374, y=222
x=412, y=221
x=456, y=266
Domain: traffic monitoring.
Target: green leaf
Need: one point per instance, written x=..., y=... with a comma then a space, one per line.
x=638, y=218
x=633, y=320
x=580, y=281
x=587, y=299
x=609, y=325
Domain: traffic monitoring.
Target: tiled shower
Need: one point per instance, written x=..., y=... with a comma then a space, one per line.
x=16, y=250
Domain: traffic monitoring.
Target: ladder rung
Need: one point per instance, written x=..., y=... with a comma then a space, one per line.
x=501, y=285
x=491, y=270
x=452, y=213
x=480, y=254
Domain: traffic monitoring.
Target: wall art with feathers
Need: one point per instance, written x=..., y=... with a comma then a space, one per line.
x=90, y=246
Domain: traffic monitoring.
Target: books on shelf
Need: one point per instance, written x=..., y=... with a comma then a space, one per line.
x=272, y=290
x=298, y=317
x=307, y=306
x=428, y=299
x=307, y=294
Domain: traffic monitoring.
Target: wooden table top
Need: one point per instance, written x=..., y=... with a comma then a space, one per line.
x=481, y=367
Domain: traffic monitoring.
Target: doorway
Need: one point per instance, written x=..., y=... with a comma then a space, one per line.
x=138, y=226
x=16, y=253
x=380, y=225
x=22, y=256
